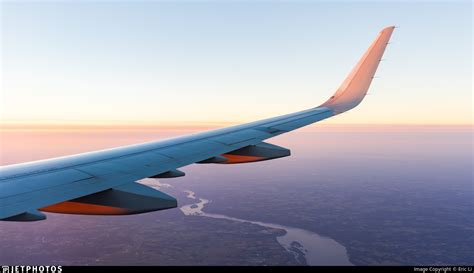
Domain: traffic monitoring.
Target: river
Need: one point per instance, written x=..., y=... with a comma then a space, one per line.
x=307, y=247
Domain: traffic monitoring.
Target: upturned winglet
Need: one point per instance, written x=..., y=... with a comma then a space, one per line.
x=354, y=88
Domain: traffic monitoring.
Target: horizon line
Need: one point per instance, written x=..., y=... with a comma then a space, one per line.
x=10, y=126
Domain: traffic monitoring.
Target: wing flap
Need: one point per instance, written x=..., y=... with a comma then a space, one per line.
x=254, y=153
x=127, y=199
x=28, y=216
x=192, y=152
x=241, y=136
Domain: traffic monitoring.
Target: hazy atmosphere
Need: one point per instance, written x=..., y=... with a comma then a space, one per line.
x=387, y=183
x=378, y=194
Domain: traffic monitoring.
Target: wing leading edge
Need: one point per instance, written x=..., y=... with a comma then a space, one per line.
x=102, y=182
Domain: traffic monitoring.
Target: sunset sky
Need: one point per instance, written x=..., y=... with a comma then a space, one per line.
x=224, y=62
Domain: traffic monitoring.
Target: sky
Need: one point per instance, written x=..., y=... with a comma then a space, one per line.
x=162, y=62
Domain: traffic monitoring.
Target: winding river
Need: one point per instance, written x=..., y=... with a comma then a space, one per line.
x=307, y=247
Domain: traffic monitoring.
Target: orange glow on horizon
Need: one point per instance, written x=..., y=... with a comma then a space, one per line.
x=75, y=125
x=191, y=127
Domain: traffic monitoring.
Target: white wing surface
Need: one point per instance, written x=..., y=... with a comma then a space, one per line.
x=103, y=182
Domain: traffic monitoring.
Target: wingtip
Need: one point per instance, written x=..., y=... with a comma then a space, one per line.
x=355, y=86
x=389, y=28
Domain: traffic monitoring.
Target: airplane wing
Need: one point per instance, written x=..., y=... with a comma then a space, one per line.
x=104, y=182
